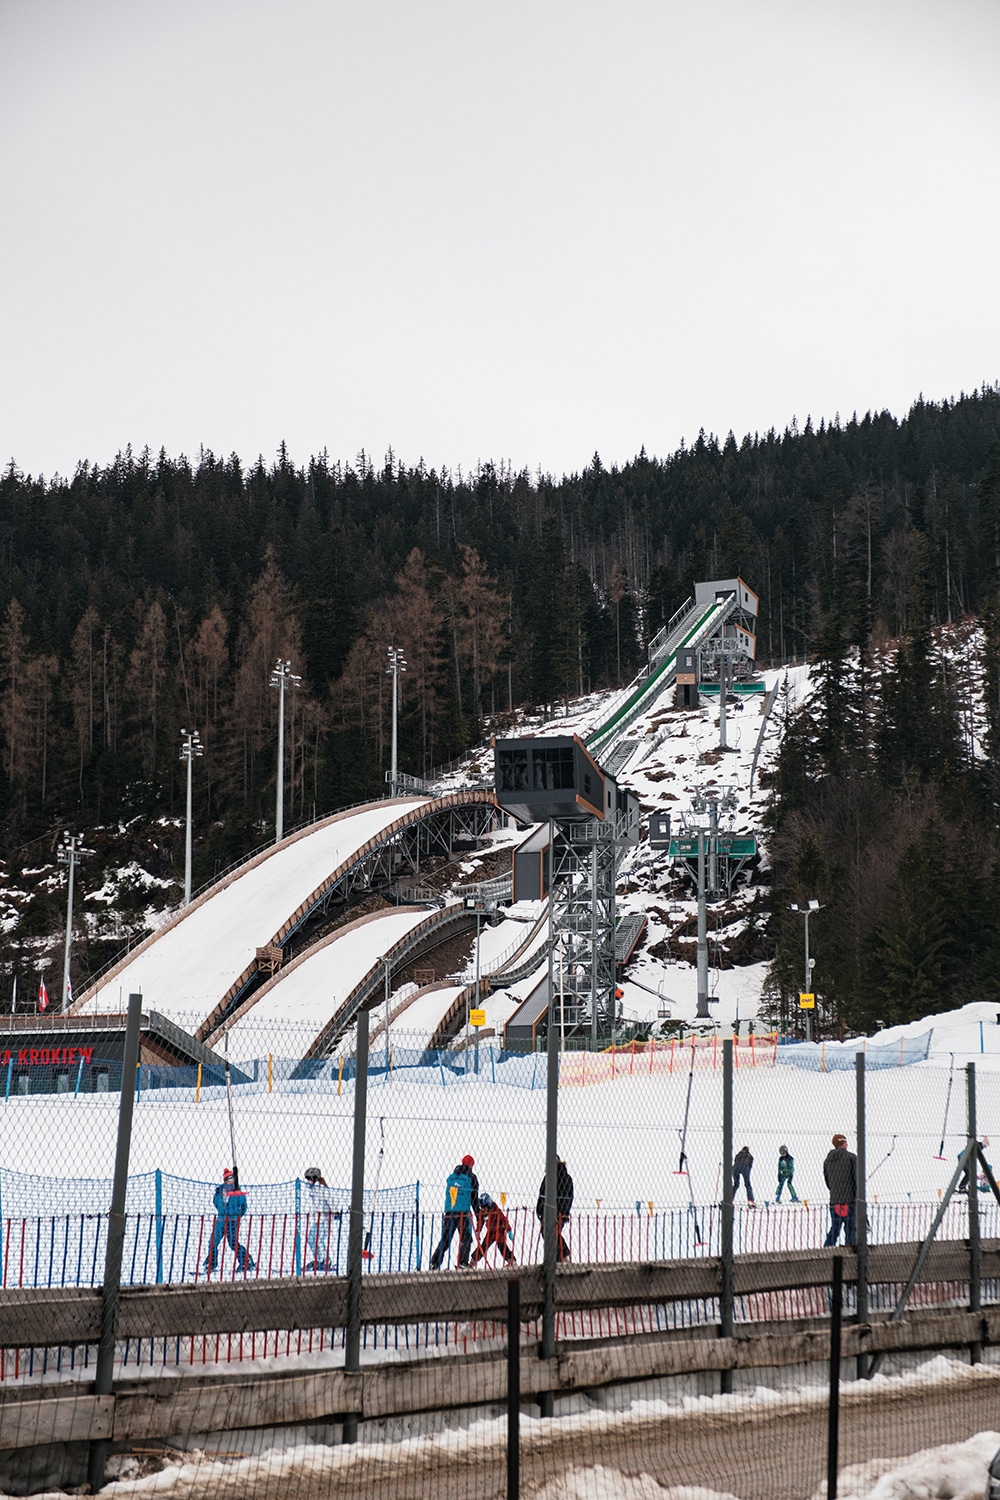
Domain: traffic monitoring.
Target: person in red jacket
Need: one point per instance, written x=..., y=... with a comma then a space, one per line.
x=492, y=1228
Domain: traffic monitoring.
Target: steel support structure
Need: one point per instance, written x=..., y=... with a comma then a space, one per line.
x=586, y=857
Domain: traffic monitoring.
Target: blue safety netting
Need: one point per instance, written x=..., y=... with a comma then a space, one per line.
x=838, y=1057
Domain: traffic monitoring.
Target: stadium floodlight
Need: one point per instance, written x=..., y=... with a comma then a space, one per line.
x=281, y=677
x=397, y=664
x=190, y=747
x=70, y=852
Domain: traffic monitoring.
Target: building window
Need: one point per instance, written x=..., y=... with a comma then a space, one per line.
x=513, y=766
x=22, y=1083
x=62, y=1082
x=553, y=769
x=102, y=1081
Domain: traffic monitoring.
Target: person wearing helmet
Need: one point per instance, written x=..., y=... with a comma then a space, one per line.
x=786, y=1171
x=317, y=1204
x=230, y=1205
x=461, y=1204
x=492, y=1228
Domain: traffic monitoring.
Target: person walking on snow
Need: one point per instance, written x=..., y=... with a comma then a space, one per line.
x=230, y=1206
x=320, y=1214
x=492, y=1228
x=840, y=1173
x=564, y=1206
x=461, y=1203
x=742, y=1162
x=786, y=1171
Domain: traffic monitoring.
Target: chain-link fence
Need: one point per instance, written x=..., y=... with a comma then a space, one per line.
x=305, y=1276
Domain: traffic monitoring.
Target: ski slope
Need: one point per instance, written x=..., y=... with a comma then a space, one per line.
x=185, y=968
x=294, y=1006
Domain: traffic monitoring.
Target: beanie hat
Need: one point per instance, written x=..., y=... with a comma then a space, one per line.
x=782, y=1150
x=228, y=1172
x=468, y=1161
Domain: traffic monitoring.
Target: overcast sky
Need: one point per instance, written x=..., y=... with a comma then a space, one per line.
x=517, y=232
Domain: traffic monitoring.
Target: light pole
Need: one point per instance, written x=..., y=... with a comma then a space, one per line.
x=70, y=851
x=281, y=677
x=807, y=911
x=190, y=747
x=397, y=664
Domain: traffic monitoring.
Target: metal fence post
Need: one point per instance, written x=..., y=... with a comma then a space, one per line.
x=726, y=1301
x=861, y=1204
x=975, y=1289
x=116, y=1237
x=833, y=1421
x=356, y=1226
x=513, y=1388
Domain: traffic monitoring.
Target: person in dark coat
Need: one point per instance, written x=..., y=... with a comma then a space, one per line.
x=742, y=1162
x=840, y=1173
x=461, y=1205
x=564, y=1206
x=786, y=1172
x=230, y=1206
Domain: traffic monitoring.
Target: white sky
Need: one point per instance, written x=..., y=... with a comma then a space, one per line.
x=524, y=232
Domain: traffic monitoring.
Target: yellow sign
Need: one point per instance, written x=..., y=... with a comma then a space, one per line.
x=477, y=1018
x=807, y=1002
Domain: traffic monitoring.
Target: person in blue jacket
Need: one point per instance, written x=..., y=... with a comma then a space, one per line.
x=461, y=1204
x=230, y=1205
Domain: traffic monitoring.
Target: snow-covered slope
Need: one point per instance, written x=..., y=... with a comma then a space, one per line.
x=186, y=968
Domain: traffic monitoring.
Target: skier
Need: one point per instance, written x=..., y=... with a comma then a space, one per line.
x=786, y=1171
x=230, y=1206
x=564, y=1206
x=840, y=1173
x=461, y=1202
x=320, y=1214
x=492, y=1228
x=742, y=1162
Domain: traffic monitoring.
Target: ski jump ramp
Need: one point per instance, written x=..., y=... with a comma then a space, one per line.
x=209, y=955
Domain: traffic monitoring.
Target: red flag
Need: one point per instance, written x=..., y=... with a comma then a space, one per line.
x=43, y=996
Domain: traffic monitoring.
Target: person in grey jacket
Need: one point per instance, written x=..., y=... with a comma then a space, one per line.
x=742, y=1162
x=840, y=1173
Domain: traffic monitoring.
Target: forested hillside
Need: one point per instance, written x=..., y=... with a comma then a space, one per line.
x=158, y=592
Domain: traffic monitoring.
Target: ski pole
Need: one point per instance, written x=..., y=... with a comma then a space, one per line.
x=947, y=1102
x=367, y=1251
x=682, y=1164
x=229, y=1101
x=885, y=1158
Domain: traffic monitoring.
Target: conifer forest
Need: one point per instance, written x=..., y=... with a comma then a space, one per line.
x=156, y=595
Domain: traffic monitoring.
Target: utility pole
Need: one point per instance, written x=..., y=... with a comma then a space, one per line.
x=702, y=1013
x=396, y=665
x=70, y=851
x=190, y=747
x=281, y=676
x=806, y=911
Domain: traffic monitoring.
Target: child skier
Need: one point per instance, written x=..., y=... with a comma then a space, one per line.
x=786, y=1171
x=492, y=1228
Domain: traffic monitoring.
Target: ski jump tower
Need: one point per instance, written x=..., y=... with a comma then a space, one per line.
x=587, y=823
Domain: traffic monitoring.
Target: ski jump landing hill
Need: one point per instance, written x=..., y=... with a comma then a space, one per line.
x=215, y=958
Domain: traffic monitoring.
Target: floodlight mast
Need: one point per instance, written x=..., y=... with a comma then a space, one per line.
x=70, y=851
x=190, y=747
x=397, y=664
x=281, y=676
x=806, y=911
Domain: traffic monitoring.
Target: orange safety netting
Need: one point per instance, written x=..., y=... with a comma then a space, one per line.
x=648, y=1059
